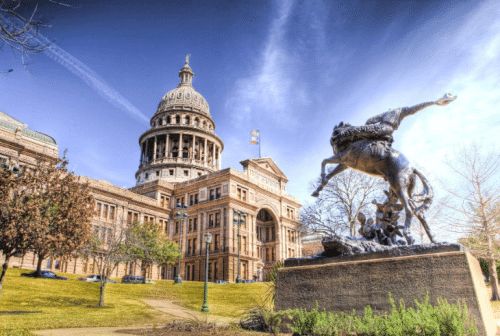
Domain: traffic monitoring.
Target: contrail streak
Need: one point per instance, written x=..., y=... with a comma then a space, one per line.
x=92, y=79
x=88, y=75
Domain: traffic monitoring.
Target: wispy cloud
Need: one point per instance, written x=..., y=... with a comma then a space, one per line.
x=269, y=91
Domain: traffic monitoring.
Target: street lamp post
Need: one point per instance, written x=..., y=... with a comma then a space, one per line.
x=208, y=240
x=238, y=220
x=181, y=215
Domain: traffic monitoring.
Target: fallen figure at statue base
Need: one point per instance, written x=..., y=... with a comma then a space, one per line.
x=337, y=246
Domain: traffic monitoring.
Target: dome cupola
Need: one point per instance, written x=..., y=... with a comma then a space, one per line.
x=181, y=143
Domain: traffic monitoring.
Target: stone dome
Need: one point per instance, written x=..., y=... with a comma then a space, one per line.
x=184, y=96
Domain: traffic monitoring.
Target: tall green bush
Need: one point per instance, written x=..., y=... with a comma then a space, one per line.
x=426, y=320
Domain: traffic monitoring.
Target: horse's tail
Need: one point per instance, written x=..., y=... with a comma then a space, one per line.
x=425, y=197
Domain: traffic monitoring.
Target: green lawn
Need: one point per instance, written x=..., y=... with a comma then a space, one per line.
x=64, y=304
x=226, y=300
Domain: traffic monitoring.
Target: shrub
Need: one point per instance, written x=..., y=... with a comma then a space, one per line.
x=426, y=320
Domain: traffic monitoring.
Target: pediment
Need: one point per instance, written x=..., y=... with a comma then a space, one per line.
x=266, y=164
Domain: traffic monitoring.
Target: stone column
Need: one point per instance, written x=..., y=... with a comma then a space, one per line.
x=230, y=228
x=205, y=153
x=142, y=152
x=200, y=236
x=180, y=146
x=193, y=151
x=219, y=158
x=154, y=148
x=167, y=143
x=146, y=151
x=213, y=154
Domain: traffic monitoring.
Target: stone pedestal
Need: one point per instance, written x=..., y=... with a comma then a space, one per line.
x=343, y=285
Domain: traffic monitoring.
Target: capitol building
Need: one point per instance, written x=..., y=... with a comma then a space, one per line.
x=180, y=163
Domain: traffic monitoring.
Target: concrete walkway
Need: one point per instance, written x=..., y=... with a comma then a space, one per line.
x=168, y=307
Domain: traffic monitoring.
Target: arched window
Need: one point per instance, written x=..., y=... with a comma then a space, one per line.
x=175, y=151
x=178, y=119
x=196, y=121
x=185, y=152
x=203, y=125
x=169, y=120
x=187, y=120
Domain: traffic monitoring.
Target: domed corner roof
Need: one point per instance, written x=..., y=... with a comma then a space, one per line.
x=184, y=96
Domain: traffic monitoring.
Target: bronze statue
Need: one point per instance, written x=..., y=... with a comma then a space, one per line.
x=369, y=149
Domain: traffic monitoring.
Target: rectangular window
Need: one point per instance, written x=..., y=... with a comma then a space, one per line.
x=216, y=242
x=162, y=201
x=96, y=230
x=136, y=217
x=103, y=234
x=176, y=227
x=110, y=237
x=244, y=244
x=157, y=173
x=191, y=200
x=111, y=212
x=194, y=245
x=98, y=209
x=186, y=173
x=212, y=194
x=195, y=224
x=129, y=217
x=210, y=220
x=243, y=195
x=105, y=211
x=217, y=192
x=190, y=225
x=171, y=172
x=217, y=219
x=195, y=198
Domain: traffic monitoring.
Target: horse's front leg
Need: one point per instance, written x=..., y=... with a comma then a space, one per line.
x=325, y=178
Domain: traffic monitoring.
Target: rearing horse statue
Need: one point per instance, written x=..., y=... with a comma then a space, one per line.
x=368, y=150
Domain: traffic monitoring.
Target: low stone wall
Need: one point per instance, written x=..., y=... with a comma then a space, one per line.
x=344, y=286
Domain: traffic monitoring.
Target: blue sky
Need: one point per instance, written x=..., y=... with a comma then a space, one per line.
x=292, y=69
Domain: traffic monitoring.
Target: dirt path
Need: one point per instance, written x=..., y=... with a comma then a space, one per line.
x=168, y=307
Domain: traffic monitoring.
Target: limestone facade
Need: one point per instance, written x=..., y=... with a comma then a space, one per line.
x=180, y=163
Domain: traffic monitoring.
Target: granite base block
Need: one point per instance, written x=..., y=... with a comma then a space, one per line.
x=344, y=285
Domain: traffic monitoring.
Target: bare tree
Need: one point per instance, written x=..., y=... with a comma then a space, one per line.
x=108, y=249
x=20, y=31
x=337, y=207
x=476, y=204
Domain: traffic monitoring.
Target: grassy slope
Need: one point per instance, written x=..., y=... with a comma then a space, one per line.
x=71, y=303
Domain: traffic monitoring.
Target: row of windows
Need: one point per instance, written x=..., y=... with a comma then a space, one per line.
x=183, y=120
x=105, y=211
x=265, y=234
x=104, y=234
x=267, y=254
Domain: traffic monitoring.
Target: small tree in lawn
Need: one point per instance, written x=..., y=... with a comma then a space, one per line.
x=65, y=208
x=108, y=250
x=149, y=244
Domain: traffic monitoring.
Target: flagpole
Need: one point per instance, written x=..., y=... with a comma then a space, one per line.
x=260, y=139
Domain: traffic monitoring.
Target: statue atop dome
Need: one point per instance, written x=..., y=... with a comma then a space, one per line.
x=187, y=60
